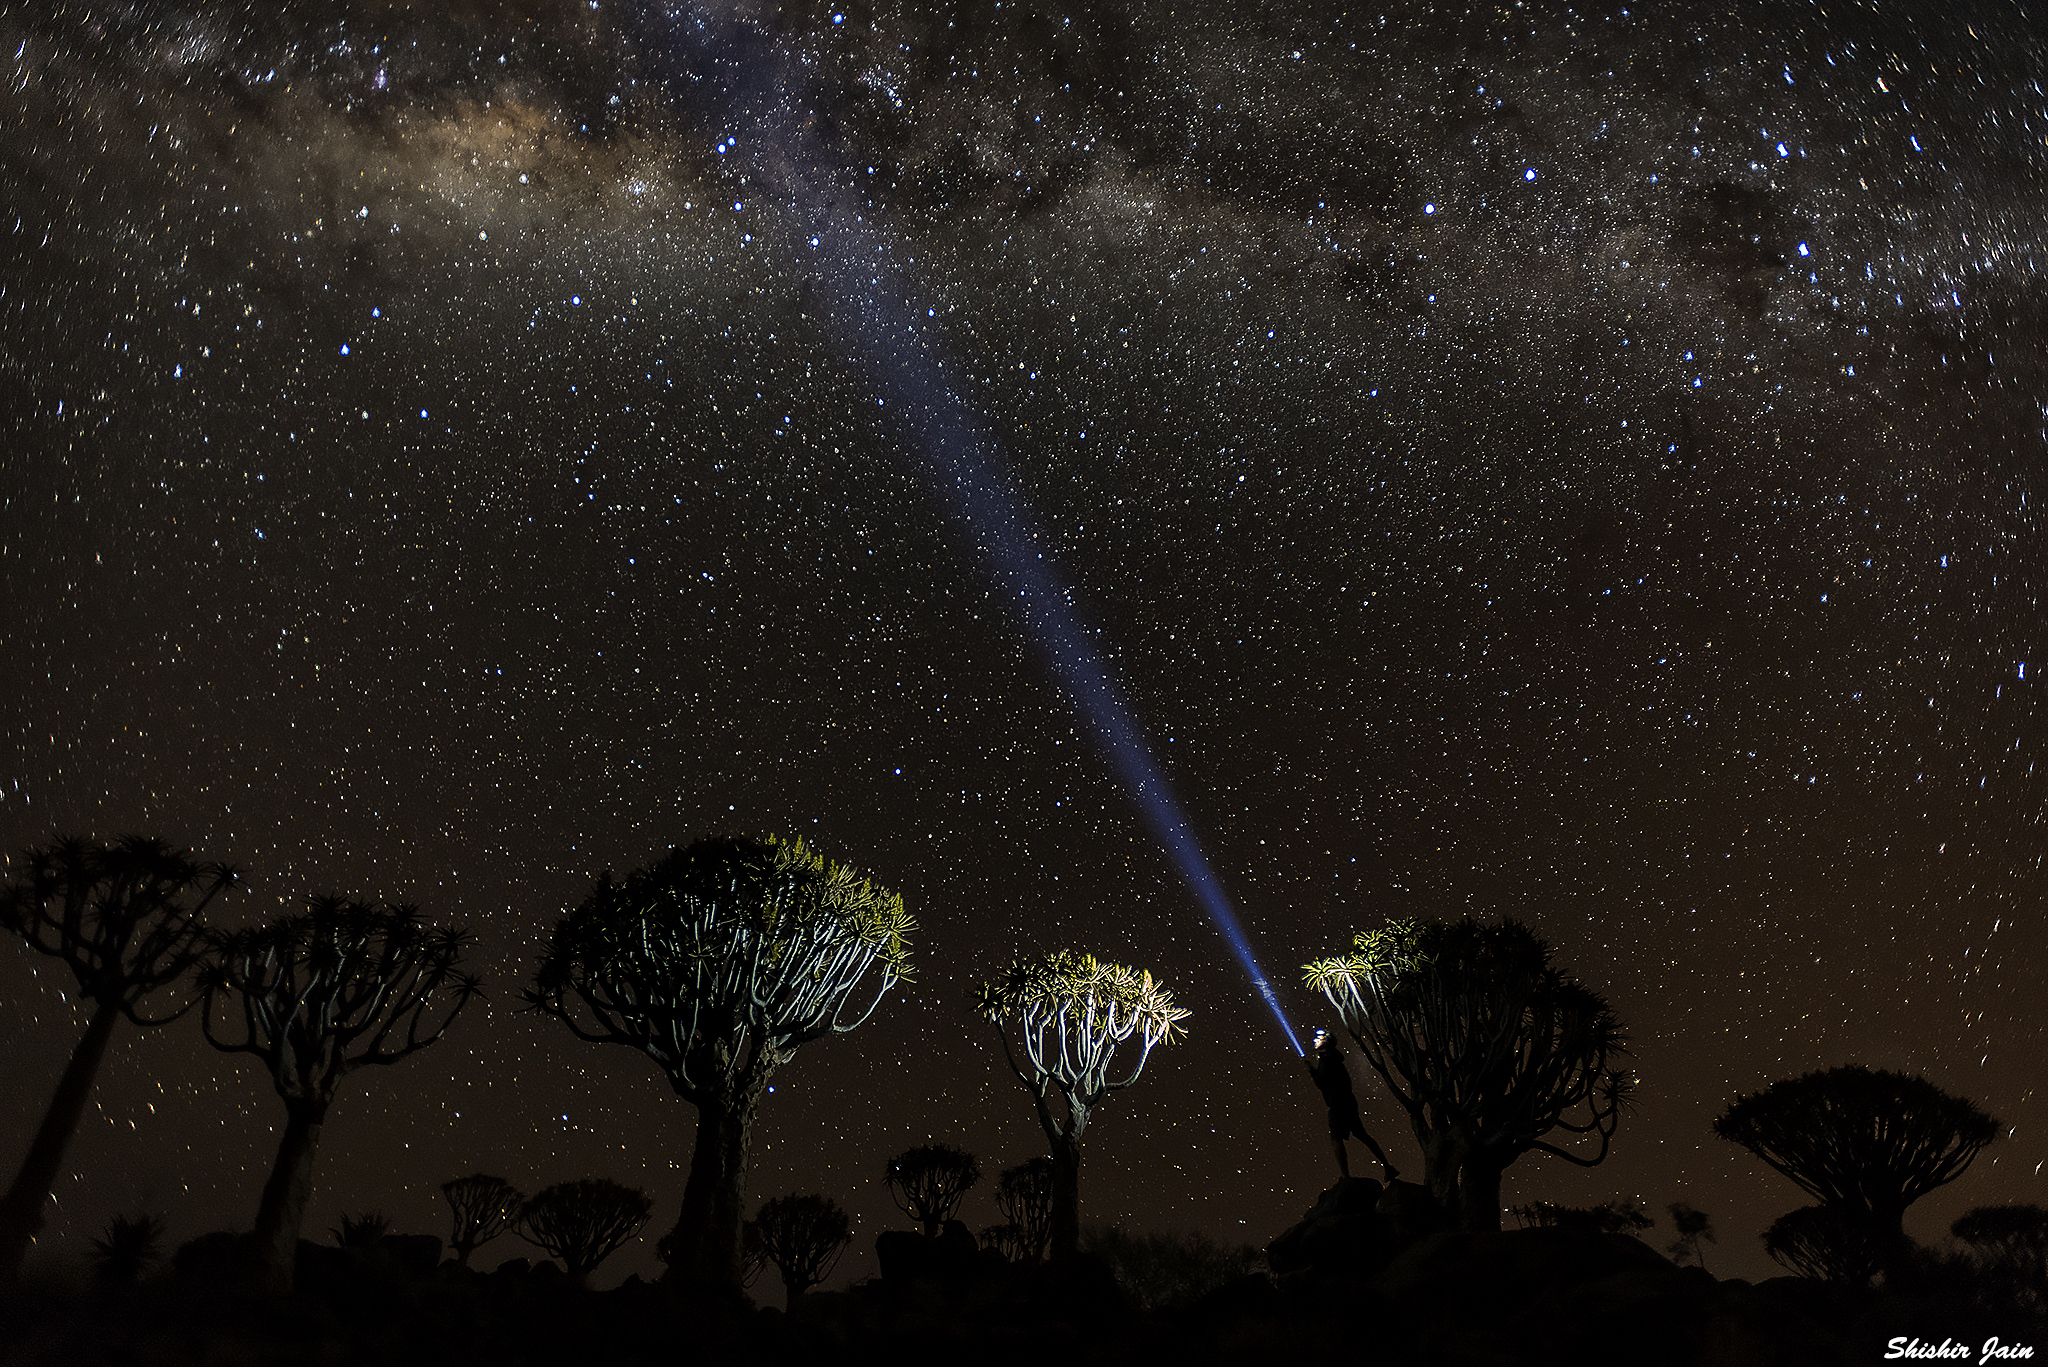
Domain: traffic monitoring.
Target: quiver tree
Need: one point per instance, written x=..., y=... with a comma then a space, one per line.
x=803, y=1236
x=927, y=1183
x=1864, y=1143
x=1486, y=1045
x=126, y=919
x=1024, y=1196
x=2011, y=1248
x=717, y=963
x=1694, y=1227
x=316, y=997
x=1068, y=1015
x=583, y=1223
x=482, y=1208
x=131, y=1245
x=1827, y=1243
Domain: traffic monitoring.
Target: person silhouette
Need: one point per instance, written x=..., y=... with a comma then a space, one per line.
x=1327, y=1070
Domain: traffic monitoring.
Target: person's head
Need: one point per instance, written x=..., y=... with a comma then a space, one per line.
x=1321, y=1038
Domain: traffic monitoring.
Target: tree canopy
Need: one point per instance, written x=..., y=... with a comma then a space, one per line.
x=803, y=1236
x=316, y=997
x=717, y=962
x=583, y=1223
x=127, y=919
x=1070, y=1015
x=481, y=1208
x=1486, y=1045
x=928, y=1182
x=1867, y=1143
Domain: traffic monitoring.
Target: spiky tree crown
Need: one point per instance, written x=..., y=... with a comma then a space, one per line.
x=731, y=942
x=126, y=917
x=802, y=1235
x=1473, y=1029
x=320, y=995
x=1871, y=1142
x=583, y=1223
x=1071, y=1010
x=928, y=1182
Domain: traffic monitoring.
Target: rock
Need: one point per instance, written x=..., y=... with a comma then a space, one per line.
x=1342, y=1235
x=1411, y=1213
x=905, y=1257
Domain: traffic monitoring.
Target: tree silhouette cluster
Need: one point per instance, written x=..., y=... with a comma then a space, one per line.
x=719, y=961
x=1613, y=1217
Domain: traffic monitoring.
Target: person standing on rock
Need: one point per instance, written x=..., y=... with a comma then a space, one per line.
x=1326, y=1068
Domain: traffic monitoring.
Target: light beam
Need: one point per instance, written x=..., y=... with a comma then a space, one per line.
x=741, y=81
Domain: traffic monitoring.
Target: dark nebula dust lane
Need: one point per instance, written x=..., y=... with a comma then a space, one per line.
x=1576, y=463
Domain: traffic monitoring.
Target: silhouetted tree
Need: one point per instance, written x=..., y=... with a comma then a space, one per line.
x=2011, y=1248
x=1069, y=1014
x=717, y=963
x=1867, y=1144
x=131, y=1245
x=583, y=1223
x=803, y=1236
x=1007, y=1241
x=483, y=1206
x=1830, y=1243
x=361, y=1231
x=1693, y=1227
x=1485, y=1044
x=1024, y=1196
x=126, y=919
x=315, y=997
x=1612, y=1217
x=927, y=1182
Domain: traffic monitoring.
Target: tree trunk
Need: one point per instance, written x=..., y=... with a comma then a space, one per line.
x=21, y=1211
x=1441, y=1163
x=1479, y=1194
x=285, y=1195
x=704, y=1246
x=1065, y=1239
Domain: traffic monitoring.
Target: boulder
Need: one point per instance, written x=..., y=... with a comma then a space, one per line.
x=1342, y=1235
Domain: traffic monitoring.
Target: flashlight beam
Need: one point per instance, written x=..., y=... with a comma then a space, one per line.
x=866, y=311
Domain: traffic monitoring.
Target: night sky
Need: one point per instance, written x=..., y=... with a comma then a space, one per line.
x=1573, y=463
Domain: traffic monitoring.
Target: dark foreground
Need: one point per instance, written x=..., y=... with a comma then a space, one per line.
x=1349, y=1287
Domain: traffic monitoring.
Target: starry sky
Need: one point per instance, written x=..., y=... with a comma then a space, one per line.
x=1559, y=461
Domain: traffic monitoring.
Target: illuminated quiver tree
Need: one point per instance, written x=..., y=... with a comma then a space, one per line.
x=316, y=997
x=1486, y=1046
x=1062, y=1020
x=717, y=963
x=126, y=919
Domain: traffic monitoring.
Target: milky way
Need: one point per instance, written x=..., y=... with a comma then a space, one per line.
x=1518, y=460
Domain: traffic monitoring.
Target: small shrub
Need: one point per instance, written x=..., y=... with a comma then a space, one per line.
x=1168, y=1271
